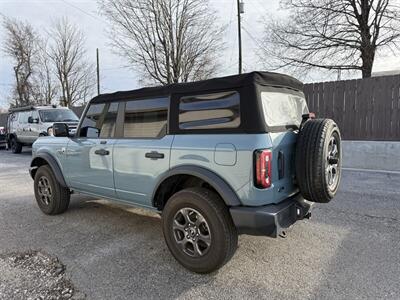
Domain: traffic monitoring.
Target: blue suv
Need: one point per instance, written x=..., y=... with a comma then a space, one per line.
x=217, y=158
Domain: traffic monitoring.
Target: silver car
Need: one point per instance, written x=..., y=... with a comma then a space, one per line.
x=26, y=124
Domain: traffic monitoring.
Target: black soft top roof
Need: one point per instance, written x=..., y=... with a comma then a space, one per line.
x=234, y=81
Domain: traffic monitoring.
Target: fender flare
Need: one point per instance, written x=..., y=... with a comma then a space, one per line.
x=228, y=195
x=52, y=162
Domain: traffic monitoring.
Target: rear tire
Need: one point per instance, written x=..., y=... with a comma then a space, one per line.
x=318, y=160
x=199, y=230
x=50, y=195
x=16, y=147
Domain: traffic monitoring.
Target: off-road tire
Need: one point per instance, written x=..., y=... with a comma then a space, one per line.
x=224, y=237
x=311, y=159
x=16, y=147
x=60, y=196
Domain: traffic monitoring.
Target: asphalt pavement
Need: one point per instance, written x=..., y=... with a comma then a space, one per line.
x=349, y=249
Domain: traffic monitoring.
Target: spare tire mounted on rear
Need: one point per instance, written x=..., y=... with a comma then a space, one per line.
x=318, y=160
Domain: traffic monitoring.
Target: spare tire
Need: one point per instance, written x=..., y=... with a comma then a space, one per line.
x=318, y=160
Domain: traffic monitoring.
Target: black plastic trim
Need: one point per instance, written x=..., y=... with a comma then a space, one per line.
x=270, y=220
x=53, y=165
x=220, y=185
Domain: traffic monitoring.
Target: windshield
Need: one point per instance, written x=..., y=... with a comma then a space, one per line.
x=58, y=115
x=283, y=109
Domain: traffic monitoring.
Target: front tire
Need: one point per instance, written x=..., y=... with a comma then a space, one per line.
x=50, y=195
x=199, y=230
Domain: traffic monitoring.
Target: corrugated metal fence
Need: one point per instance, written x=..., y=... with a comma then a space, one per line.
x=364, y=109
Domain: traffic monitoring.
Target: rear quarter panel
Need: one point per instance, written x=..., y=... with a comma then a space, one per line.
x=215, y=153
x=230, y=156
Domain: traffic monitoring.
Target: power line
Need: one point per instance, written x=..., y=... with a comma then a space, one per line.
x=252, y=37
x=254, y=6
x=115, y=68
x=83, y=11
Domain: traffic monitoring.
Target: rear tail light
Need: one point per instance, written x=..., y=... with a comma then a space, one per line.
x=262, y=166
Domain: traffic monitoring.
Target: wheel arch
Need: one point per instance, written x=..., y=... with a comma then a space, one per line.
x=9, y=137
x=47, y=159
x=12, y=135
x=217, y=183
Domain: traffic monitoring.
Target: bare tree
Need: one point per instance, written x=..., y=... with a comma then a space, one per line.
x=169, y=41
x=74, y=73
x=45, y=86
x=333, y=34
x=20, y=45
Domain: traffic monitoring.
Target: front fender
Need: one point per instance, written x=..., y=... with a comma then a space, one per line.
x=46, y=158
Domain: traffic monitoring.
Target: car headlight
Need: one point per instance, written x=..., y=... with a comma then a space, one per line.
x=50, y=131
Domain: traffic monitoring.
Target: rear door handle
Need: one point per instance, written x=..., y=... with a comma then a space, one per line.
x=154, y=155
x=102, y=152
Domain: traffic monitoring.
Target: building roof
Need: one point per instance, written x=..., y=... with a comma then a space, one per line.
x=234, y=81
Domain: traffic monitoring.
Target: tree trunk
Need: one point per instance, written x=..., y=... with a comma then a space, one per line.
x=367, y=56
x=20, y=98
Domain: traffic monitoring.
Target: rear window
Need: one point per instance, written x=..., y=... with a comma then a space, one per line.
x=283, y=109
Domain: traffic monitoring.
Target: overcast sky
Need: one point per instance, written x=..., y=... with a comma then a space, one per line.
x=42, y=14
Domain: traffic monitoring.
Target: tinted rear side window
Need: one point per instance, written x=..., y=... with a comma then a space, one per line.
x=210, y=111
x=146, y=118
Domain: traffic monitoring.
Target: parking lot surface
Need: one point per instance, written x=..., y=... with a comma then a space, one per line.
x=350, y=249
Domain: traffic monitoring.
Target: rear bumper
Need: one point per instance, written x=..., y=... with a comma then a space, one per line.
x=270, y=220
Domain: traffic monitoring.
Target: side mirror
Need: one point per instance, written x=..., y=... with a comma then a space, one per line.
x=89, y=132
x=60, y=130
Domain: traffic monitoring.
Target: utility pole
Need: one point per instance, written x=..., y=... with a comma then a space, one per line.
x=98, y=71
x=240, y=10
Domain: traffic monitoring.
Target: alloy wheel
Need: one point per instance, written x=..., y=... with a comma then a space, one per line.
x=191, y=232
x=44, y=190
x=332, y=163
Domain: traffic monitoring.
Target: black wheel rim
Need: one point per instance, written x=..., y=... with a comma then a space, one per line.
x=332, y=169
x=44, y=190
x=191, y=232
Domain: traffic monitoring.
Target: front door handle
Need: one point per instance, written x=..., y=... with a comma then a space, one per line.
x=102, y=152
x=154, y=155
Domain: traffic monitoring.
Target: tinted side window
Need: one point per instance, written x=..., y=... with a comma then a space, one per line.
x=108, y=127
x=210, y=111
x=91, y=124
x=146, y=118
